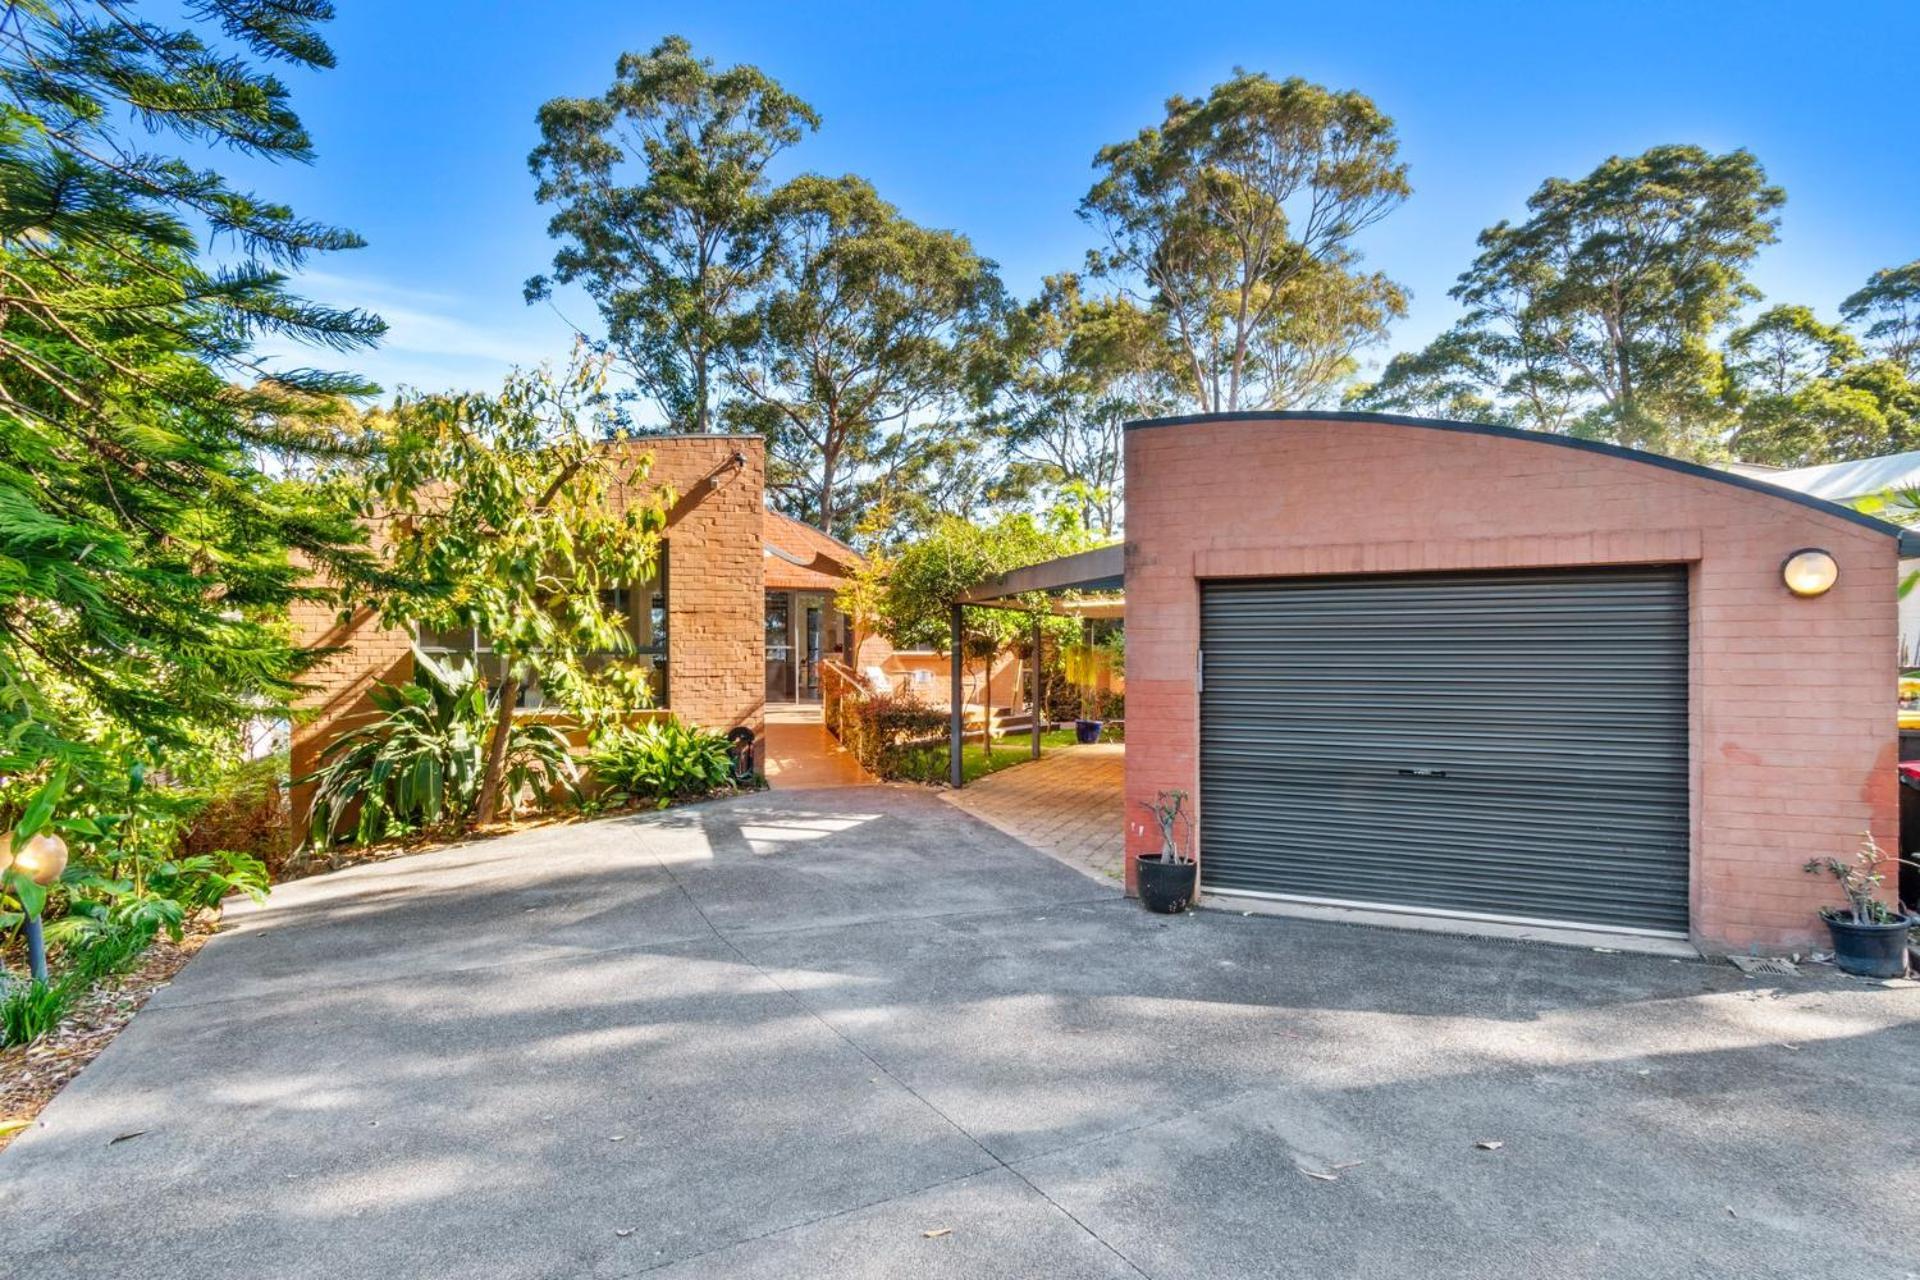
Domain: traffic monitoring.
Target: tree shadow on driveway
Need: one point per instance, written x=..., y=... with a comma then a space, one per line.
x=780, y=1035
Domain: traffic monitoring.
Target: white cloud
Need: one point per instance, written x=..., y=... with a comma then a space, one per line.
x=435, y=340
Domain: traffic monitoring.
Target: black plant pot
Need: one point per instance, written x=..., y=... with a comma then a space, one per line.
x=1166, y=887
x=1864, y=950
x=1087, y=731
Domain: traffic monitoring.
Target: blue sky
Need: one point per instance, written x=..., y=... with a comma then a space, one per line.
x=985, y=118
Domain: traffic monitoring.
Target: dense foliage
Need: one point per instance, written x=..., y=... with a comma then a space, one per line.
x=147, y=551
x=869, y=320
x=659, y=762
x=812, y=313
x=421, y=765
x=511, y=514
x=674, y=256
x=125, y=882
x=892, y=735
x=1614, y=313
x=1235, y=218
x=162, y=491
x=1077, y=368
x=908, y=596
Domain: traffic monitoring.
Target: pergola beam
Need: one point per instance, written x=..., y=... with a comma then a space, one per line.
x=1101, y=569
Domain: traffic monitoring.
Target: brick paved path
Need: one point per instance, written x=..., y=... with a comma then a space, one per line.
x=1067, y=803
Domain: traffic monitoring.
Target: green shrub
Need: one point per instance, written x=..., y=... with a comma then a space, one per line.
x=421, y=764
x=125, y=881
x=243, y=807
x=894, y=736
x=661, y=761
x=105, y=953
x=28, y=1010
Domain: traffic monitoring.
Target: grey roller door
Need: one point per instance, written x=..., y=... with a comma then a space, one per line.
x=1509, y=744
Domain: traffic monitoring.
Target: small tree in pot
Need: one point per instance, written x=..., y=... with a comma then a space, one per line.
x=1869, y=938
x=1167, y=882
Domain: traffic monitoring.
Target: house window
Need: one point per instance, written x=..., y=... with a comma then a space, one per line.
x=643, y=608
x=646, y=628
x=466, y=649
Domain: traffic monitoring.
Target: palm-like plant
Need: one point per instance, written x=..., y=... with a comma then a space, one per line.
x=420, y=764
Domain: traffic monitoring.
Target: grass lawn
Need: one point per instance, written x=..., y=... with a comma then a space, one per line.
x=1008, y=751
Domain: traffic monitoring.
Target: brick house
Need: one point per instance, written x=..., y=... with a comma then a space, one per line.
x=1460, y=670
x=739, y=614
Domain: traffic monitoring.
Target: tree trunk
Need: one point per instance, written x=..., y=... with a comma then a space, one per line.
x=829, y=461
x=495, y=777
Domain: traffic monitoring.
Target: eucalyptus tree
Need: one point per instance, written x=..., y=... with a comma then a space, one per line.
x=1076, y=369
x=1598, y=316
x=869, y=321
x=1789, y=378
x=927, y=472
x=1887, y=309
x=147, y=553
x=661, y=194
x=1235, y=220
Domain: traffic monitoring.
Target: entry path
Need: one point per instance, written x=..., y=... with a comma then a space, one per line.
x=802, y=755
x=1068, y=803
x=855, y=1034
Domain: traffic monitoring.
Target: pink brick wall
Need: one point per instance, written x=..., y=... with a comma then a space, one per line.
x=1792, y=701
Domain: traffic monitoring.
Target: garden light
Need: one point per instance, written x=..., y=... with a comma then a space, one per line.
x=1810, y=572
x=42, y=859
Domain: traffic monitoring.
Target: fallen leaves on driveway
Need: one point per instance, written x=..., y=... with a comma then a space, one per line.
x=30, y=1075
x=1489, y=1144
x=936, y=1232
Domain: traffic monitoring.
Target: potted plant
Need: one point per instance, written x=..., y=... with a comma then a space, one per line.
x=1869, y=938
x=1167, y=881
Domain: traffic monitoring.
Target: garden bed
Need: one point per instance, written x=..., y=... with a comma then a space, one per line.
x=31, y=1074
x=345, y=856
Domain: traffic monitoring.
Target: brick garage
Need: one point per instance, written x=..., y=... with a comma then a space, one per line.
x=1789, y=719
x=714, y=557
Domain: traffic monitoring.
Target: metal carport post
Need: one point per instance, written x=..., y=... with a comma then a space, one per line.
x=956, y=708
x=1101, y=569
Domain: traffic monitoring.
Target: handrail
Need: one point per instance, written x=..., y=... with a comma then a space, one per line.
x=840, y=669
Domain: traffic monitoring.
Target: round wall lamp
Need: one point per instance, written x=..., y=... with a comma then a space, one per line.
x=1810, y=572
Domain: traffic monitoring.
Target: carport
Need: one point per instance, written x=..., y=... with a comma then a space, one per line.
x=1101, y=570
x=1445, y=669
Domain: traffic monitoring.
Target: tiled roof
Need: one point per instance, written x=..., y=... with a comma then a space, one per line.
x=802, y=558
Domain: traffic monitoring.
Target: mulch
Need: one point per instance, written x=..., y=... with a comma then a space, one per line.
x=30, y=1075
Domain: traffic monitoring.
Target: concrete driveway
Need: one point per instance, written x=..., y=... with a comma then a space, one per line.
x=858, y=1033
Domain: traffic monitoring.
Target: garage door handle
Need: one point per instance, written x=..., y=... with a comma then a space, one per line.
x=1423, y=773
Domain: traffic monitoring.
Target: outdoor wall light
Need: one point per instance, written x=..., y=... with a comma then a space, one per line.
x=1809, y=572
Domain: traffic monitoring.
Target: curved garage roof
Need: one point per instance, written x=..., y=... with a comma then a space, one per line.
x=1909, y=540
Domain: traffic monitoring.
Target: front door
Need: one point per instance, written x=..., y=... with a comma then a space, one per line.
x=810, y=666
x=779, y=647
